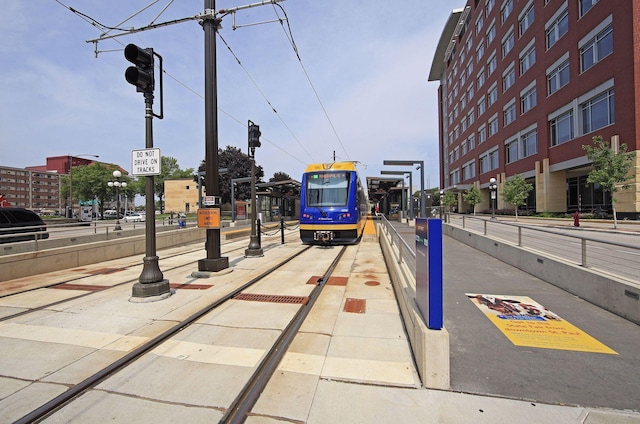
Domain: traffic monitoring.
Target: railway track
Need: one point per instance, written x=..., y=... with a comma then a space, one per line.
x=212, y=314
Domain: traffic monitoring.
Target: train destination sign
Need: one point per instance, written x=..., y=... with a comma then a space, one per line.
x=145, y=162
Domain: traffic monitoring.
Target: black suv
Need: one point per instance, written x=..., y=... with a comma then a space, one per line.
x=18, y=224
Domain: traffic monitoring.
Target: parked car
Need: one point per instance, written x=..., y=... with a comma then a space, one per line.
x=134, y=217
x=18, y=224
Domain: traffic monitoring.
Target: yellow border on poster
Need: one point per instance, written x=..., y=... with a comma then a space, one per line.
x=541, y=329
x=209, y=218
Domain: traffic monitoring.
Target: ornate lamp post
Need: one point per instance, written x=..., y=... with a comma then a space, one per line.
x=117, y=184
x=254, y=248
x=493, y=188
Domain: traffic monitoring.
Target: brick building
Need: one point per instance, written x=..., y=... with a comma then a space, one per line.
x=36, y=190
x=525, y=84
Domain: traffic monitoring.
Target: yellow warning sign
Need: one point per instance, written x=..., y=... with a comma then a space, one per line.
x=527, y=323
x=209, y=218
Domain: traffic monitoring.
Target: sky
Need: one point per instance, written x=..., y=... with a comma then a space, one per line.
x=360, y=87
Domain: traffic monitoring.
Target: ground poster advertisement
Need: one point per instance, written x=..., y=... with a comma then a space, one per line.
x=527, y=323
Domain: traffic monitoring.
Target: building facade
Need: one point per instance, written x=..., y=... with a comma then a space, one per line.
x=525, y=84
x=35, y=190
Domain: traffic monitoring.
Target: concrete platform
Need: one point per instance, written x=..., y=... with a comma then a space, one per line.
x=351, y=361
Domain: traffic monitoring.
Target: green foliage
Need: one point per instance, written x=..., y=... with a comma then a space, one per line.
x=516, y=191
x=610, y=169
x=279, y=176
x=90, y=181
x=472, y=197
x=449, y=199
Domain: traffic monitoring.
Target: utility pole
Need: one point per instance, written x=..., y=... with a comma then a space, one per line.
x=214, y=261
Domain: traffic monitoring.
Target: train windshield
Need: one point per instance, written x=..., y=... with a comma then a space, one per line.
x=327, y=189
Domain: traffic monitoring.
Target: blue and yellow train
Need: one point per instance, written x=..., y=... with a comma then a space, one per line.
x=333, y=204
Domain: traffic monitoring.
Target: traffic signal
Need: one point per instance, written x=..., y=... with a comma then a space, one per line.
x=254, y=135
x=140, y=75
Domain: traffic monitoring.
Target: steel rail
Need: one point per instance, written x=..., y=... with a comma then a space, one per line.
x=59, y=401
x=240, y=407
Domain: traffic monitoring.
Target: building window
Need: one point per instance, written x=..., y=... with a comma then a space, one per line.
x=480, y=79
x=469, y=170
x=507, y=43
x=489, y=6
x=527, y=59
x=586, y=5
x=526, y=19
x=512, y=151
x=528, y=100
x=530, y=143
x=506, y=10
x=479, y=52
x=465, y=147
x=455, y=176
x=509, y=114
x=596, y=49
x=562, y=128
x=489, y=161
x=598, y=112
x=472, y=142
x=558, y=77
x=508, y=79
x=470, y=68
x=491, y=34
x=492, y=64
x=482, y=134
x=470, y=93
x=471, y=116
x=482, y=106
x=492, y=94
x=479, y=23
x=493, y=125
x=557, y=28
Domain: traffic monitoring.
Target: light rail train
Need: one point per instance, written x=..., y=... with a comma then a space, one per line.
x=333, y=204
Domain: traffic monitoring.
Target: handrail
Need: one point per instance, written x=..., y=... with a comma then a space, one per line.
x=612, y=257
x=405, y=252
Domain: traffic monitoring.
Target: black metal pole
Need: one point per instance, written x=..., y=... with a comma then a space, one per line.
x=151, y=281
x=254, y=248
x=213, y=262
x=282, y=230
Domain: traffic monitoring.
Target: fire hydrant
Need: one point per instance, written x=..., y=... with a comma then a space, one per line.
x=576, y=219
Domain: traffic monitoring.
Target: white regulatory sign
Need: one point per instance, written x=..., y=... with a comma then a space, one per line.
x=145, y=162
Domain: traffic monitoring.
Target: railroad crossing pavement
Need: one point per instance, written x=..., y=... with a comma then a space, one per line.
x=349, y=364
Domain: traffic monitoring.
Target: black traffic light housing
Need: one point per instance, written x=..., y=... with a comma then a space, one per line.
x=254, y=137
x=140, y=75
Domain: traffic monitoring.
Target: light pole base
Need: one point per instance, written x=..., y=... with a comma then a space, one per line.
x=151, y=291
x=214, y=264
x=254, y=249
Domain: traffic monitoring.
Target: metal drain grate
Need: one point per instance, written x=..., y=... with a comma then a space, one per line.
x=300, y=300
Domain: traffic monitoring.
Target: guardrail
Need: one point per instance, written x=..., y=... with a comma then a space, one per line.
x=615, y=258
x=405, y=252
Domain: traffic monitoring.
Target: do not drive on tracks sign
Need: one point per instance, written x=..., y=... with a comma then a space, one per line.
x=145, y=162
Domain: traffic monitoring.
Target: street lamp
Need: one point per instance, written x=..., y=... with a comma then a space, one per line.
x=117, y=184
x=441, y=203
x=423, y=201
x=493, y=188
x=70, y=156
x=410, y=174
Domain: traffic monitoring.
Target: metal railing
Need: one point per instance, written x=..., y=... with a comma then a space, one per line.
x=612, y=257
x=404, y=253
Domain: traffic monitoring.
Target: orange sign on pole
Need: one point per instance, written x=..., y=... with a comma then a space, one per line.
x=209, y=218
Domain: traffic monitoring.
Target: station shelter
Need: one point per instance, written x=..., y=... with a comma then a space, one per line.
x=278, y=199
x=385, y=196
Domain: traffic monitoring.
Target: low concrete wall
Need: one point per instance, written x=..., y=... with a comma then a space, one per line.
x=33, y=263
x=606, y=291
x=430, y=347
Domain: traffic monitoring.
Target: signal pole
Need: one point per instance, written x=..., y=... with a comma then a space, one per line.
x=210, y=23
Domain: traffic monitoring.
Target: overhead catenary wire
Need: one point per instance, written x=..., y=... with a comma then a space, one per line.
x=93, y=22
x=289, y=36
x=264, y=96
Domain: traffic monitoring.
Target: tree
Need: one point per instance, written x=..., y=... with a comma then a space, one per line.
x=279, y=176
x=610, y=168
x=449, y=199
x=169, y=170
x=238, y=165
x=473, y=197
x=90, y=182
x=515, y=191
